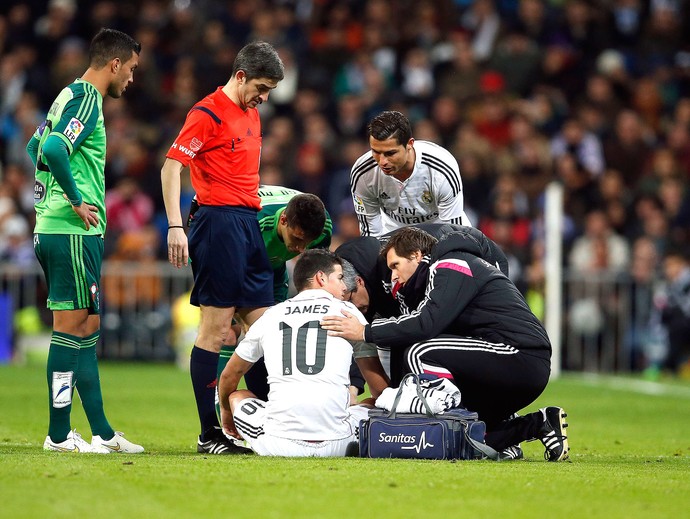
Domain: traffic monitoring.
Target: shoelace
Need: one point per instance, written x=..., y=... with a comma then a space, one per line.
x=552, y=441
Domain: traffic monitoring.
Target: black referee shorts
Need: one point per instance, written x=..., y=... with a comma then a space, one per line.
x=229, y=259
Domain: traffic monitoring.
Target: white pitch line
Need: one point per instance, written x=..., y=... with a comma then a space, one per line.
x=644, y=387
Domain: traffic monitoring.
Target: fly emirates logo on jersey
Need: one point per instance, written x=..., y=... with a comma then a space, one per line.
x=194, y=146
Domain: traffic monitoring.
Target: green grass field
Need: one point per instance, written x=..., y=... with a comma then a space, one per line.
x=630, y=457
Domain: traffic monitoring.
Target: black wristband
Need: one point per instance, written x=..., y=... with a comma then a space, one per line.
x=175, y=227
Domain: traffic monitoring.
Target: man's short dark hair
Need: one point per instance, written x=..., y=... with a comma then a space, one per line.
x=307, y=212
x=259, y=60
x=310, y=262
x=408, y=240
x=390, y=125
x=109, y=44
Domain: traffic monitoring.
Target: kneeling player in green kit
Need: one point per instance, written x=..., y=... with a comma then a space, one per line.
x=290, y=222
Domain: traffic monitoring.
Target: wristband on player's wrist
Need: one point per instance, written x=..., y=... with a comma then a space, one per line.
x=175, y=227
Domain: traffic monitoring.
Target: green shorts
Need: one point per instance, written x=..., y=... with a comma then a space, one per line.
x=72, y=266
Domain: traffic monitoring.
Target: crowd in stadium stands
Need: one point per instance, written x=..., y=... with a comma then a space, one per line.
x=594, y=94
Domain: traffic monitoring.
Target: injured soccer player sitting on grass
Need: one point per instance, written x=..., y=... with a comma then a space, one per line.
x=307, y=413
x=468, y=323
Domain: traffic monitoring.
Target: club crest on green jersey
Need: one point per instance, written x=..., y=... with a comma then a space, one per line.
x=39, y=191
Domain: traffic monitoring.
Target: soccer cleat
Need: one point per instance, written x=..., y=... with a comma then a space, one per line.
x=73, y=443
x=117, y=443
x=553, y=434
x=221, y=445
x=511, y=453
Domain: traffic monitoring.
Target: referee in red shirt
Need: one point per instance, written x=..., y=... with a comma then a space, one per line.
x=221, y=143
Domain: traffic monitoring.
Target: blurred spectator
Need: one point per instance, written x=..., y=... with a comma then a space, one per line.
x=507, y=222
x=643, y=276
x=128, y=207
x=490, y=115
x=531, y=159
x=347, y=228
x=602, y=98
x=580, y=191
x=446, y=116
x=678, y=140
x=459, y=77
x=585, y=146
x=417, y=75
x=482, y=21
x=517, y=59
x=19, y=187
x=674, y=305
x=532, y=20
x=600, y=250
x=628, y=150
x=16, y=242
x=616, y=199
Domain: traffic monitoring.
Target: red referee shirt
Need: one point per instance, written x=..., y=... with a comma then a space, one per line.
x=221, y=143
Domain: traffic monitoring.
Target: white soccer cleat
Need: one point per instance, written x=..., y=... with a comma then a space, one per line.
x=73, y=443
x=117, y=443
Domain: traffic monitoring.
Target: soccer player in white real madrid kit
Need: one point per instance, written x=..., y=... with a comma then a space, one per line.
x=307, y=413
x=403, y=182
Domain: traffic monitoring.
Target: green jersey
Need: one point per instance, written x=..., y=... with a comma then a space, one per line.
x=273, y=202
x=76, y=117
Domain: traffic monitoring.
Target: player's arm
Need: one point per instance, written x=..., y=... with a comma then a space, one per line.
x=451, y=205
x=452, y=290
x=374, y=374
x=368, y=213
x=32, y=147
x=199, y=127
x=366, y=204
x=178, y=249
x=227, y=384
x=451, y=209
x=281, y=283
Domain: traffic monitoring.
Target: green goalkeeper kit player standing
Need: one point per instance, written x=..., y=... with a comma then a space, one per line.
x=68, y=150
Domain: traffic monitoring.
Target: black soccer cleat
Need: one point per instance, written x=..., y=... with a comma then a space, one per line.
x=553, y=434
x=220, y=445
x=511, y=453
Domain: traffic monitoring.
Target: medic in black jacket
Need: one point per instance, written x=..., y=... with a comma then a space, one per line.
x=468, y=322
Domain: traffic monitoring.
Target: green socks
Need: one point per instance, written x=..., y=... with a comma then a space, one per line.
x=63, y=362
x=89, y=388
x=225, y=354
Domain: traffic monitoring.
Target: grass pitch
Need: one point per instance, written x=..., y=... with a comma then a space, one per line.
x=630, y=457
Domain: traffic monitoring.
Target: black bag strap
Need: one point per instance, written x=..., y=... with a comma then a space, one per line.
x=487, y=451
x=415, y=378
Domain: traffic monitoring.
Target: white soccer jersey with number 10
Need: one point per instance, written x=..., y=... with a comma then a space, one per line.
x=308, y=371
x=433, y=194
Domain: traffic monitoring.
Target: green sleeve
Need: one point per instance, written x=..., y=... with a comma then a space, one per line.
x=280, y=284
x=56, y=156
x=32, y=149
x=323, y=242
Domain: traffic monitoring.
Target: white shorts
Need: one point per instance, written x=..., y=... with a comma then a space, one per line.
x=250, y=415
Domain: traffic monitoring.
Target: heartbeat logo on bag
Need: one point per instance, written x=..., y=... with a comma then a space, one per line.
x=421, y=445
x=406, y=439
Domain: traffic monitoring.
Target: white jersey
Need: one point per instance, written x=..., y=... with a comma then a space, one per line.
x=308, y=371
x=432, y=194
